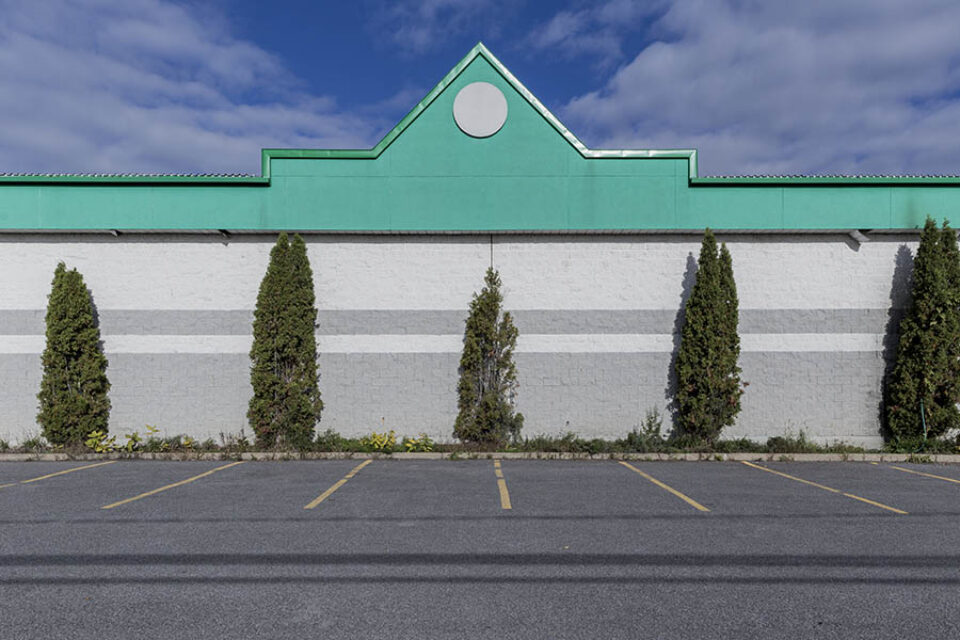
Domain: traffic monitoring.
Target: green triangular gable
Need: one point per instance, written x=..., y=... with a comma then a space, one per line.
x=529, y=123
x=479, y=65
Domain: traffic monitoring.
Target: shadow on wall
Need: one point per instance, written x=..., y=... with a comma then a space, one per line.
x=689, y=278
x=96, y=316
x=899, y=302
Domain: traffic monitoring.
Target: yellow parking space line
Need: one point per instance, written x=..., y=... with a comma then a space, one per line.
x=826, y=488
x=876, y=504
x=339, y=483
x=787, y=475
x=4, y=486
x=926, y=475
x=502, y=485
x=60, y=473
x=690, y=501
x=172, y=486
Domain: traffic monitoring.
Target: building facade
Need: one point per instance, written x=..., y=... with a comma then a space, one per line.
x=596, y=248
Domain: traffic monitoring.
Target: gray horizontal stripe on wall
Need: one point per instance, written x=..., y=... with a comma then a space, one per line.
x=139, y=322
x=391, y=322
x=446, y=322
x=618, y=321
x=819, y=320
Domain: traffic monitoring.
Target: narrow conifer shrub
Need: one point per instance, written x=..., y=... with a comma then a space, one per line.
x=73, y=399
x=924, y=385
x=286, y=405
x=488, y=376
x=708, y=374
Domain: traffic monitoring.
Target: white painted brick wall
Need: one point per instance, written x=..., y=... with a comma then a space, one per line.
x=611, y=272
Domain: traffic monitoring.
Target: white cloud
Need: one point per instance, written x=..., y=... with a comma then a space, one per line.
x=420, y=26
x=148, y=85
x=596, y=31
x=400, y=102
x=861, y=86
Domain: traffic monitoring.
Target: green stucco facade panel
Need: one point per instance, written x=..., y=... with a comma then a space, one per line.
x=843, y=207
x=427, y=175
x=729, y=208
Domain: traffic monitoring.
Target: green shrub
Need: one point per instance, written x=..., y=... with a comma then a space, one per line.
x=154, y=445
x=737, y=445
x=100, y=443
x=568, y=442
x=73, y=391
x=34, y=443
x=917, y=444
x=839, y=446
x=564, y=443
x=539, y=442
x=133, y=442
x=329, y=440
x=4, y=446
x=286, y=406
x=234, y=443
x=790, y=443
x=648, y=438
x=422, y=443
x=708, y=376
x=488, y=376
x=923, y=387
x=385, y=442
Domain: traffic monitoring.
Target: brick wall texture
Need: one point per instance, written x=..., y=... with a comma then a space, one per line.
x=598, y=317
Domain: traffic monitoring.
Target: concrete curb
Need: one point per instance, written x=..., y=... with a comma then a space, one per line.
x=940, y=458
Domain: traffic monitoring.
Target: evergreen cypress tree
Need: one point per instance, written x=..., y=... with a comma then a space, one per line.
x=708, y=377
x=73, y=391
x=286, y=404
x=730, y=387
x=926, y=372
x=488, y=375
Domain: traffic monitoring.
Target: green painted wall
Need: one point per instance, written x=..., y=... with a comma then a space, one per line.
x=426, y=175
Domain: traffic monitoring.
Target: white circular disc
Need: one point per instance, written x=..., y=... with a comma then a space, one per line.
x=480, y=109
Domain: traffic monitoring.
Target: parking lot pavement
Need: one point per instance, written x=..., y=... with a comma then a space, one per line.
x=427, y=549
x=19, y=473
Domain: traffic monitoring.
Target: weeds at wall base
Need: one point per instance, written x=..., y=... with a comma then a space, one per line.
x=644, y=440
x=332, y=444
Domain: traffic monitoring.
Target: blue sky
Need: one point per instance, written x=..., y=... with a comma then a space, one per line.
x=757, y=86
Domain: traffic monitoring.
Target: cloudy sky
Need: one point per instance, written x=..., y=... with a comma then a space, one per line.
x=757, y=86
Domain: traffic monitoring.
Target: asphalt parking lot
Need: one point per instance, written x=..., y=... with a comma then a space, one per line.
x=478, y=549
